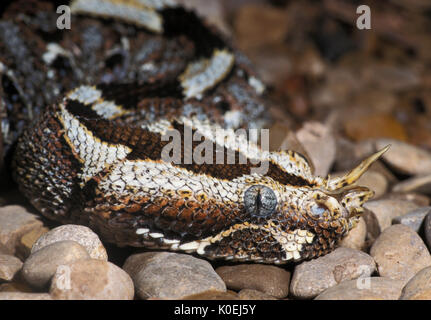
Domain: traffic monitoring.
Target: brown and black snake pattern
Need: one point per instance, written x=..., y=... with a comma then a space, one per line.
x=96, y=156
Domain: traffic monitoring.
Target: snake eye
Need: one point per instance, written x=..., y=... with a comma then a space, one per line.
x=260, y=201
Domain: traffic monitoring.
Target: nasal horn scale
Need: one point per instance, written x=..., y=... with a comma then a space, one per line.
x=340, y=184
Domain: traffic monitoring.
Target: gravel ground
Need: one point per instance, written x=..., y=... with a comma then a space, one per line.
x=338, y=95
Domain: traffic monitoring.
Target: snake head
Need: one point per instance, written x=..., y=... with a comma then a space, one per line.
x=291, y=223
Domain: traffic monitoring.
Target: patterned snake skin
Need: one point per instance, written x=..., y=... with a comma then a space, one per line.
x=96, y=157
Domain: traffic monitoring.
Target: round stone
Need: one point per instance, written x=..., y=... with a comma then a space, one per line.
x=168, y=275
x=39, y=268
x=355, y=239
x=420, y=184
x=368, y=288
x=15, y=221
x=414, y=219
x=400, y=253
x=9, y=267
x=311, y=278
x=81, y=234
x=268, y=279
x=375, y=181
x=419, y=287
x=91, y=280
x=406, y=158
x=386, y=210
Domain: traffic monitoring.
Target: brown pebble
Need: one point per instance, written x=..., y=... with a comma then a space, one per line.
x=15, y=221
x=311, y=278
x=319, y=142
x=39, y=268
x=213, y=295
x=169, y=275
x=269, y=279
x=24, y=296
x=81, y=234
x=27, y=241
x=375, y=181
x=419, y=287
x=386, y=210
x=250, y=294
x=9, y=267
x=420, y=184
x=91, y=280
x=400, y=253
x=355, y=239
x=368, y=288
x=419, y=199
x=259, y=25
x=417, y=161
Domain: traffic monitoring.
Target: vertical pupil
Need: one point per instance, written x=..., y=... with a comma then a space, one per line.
x=260, y=201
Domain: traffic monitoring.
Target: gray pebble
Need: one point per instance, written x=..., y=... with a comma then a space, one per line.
x=311, y=278
x=268, y=279
x=400, y=253
x=9, y=267
x=169, y=275
x=406, y=158
x=386, y=210
x=4, y=250
x=420, y=184
x=414, y=219
x=81, y=234
x=39, y=268
x=372, y=225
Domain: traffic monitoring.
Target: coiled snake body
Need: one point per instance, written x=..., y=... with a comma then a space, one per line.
x=96, y=157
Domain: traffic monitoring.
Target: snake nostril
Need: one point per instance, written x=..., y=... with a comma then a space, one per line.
x=260, y=201
x=317, y=210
